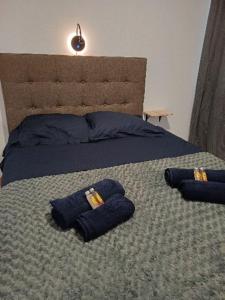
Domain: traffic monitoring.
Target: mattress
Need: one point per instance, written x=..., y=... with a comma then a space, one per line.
x=35, y=161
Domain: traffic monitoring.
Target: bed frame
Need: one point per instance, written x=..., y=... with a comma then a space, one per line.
x=39, y=84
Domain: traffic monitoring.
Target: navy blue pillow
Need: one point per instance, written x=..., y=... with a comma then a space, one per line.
x=107, y=124
x=49, y=129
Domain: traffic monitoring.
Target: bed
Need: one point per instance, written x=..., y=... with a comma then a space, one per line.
x=170, y=249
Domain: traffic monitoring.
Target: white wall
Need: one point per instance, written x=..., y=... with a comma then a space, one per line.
x=168, y=32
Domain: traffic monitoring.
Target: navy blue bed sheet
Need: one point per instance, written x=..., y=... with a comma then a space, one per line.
x=35, y=161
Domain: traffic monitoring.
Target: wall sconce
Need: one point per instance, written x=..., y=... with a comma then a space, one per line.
x=77, y=42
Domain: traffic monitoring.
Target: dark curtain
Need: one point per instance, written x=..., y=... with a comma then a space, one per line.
x=207, y=128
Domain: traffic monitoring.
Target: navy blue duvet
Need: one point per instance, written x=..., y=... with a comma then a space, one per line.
x=40, y=160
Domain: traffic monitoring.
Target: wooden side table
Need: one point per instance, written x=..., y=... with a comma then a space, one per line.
x=156, y=113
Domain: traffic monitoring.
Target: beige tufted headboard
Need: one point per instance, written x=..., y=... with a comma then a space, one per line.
x=37, y=84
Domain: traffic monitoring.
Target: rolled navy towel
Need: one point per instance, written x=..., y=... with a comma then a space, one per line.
x=206, y=191
x=66, y=210
x=174, y=176
x=96, y=222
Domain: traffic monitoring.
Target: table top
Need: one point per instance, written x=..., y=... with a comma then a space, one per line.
x=157, y=113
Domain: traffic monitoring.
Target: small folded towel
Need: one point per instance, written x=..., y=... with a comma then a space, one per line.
x=96, y=222
x=205, y=191
x=174, y=176
x=66, y=210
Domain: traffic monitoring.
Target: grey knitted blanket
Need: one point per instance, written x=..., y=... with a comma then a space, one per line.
x=170, y=249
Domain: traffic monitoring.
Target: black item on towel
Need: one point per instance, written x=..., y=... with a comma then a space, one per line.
x=206, y=191
x=174, y=176
x=66, y=210
x=96, y=222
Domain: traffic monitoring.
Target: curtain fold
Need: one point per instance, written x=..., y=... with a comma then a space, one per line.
x=207, y=128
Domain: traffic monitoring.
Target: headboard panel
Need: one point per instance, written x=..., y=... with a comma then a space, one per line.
x=38, y=84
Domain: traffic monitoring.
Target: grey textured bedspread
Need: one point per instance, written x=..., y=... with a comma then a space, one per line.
x=170, y=249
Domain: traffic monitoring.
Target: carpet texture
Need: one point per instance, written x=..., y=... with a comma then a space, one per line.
x=170, y=249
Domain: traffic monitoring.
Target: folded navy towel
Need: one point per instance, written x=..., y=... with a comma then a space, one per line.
x=66, y=210
x=206, y=191
x=96, y=222
x=174, y=176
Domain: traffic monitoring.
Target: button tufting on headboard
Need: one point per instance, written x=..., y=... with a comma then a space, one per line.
x=70, y=84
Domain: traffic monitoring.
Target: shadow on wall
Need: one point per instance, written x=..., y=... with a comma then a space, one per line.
x=164, y=122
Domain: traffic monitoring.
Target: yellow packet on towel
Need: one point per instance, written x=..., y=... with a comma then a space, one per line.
x=197, y=174
x=94, y=199
x=98, y=198
x=203, y=174
x=91, y=200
